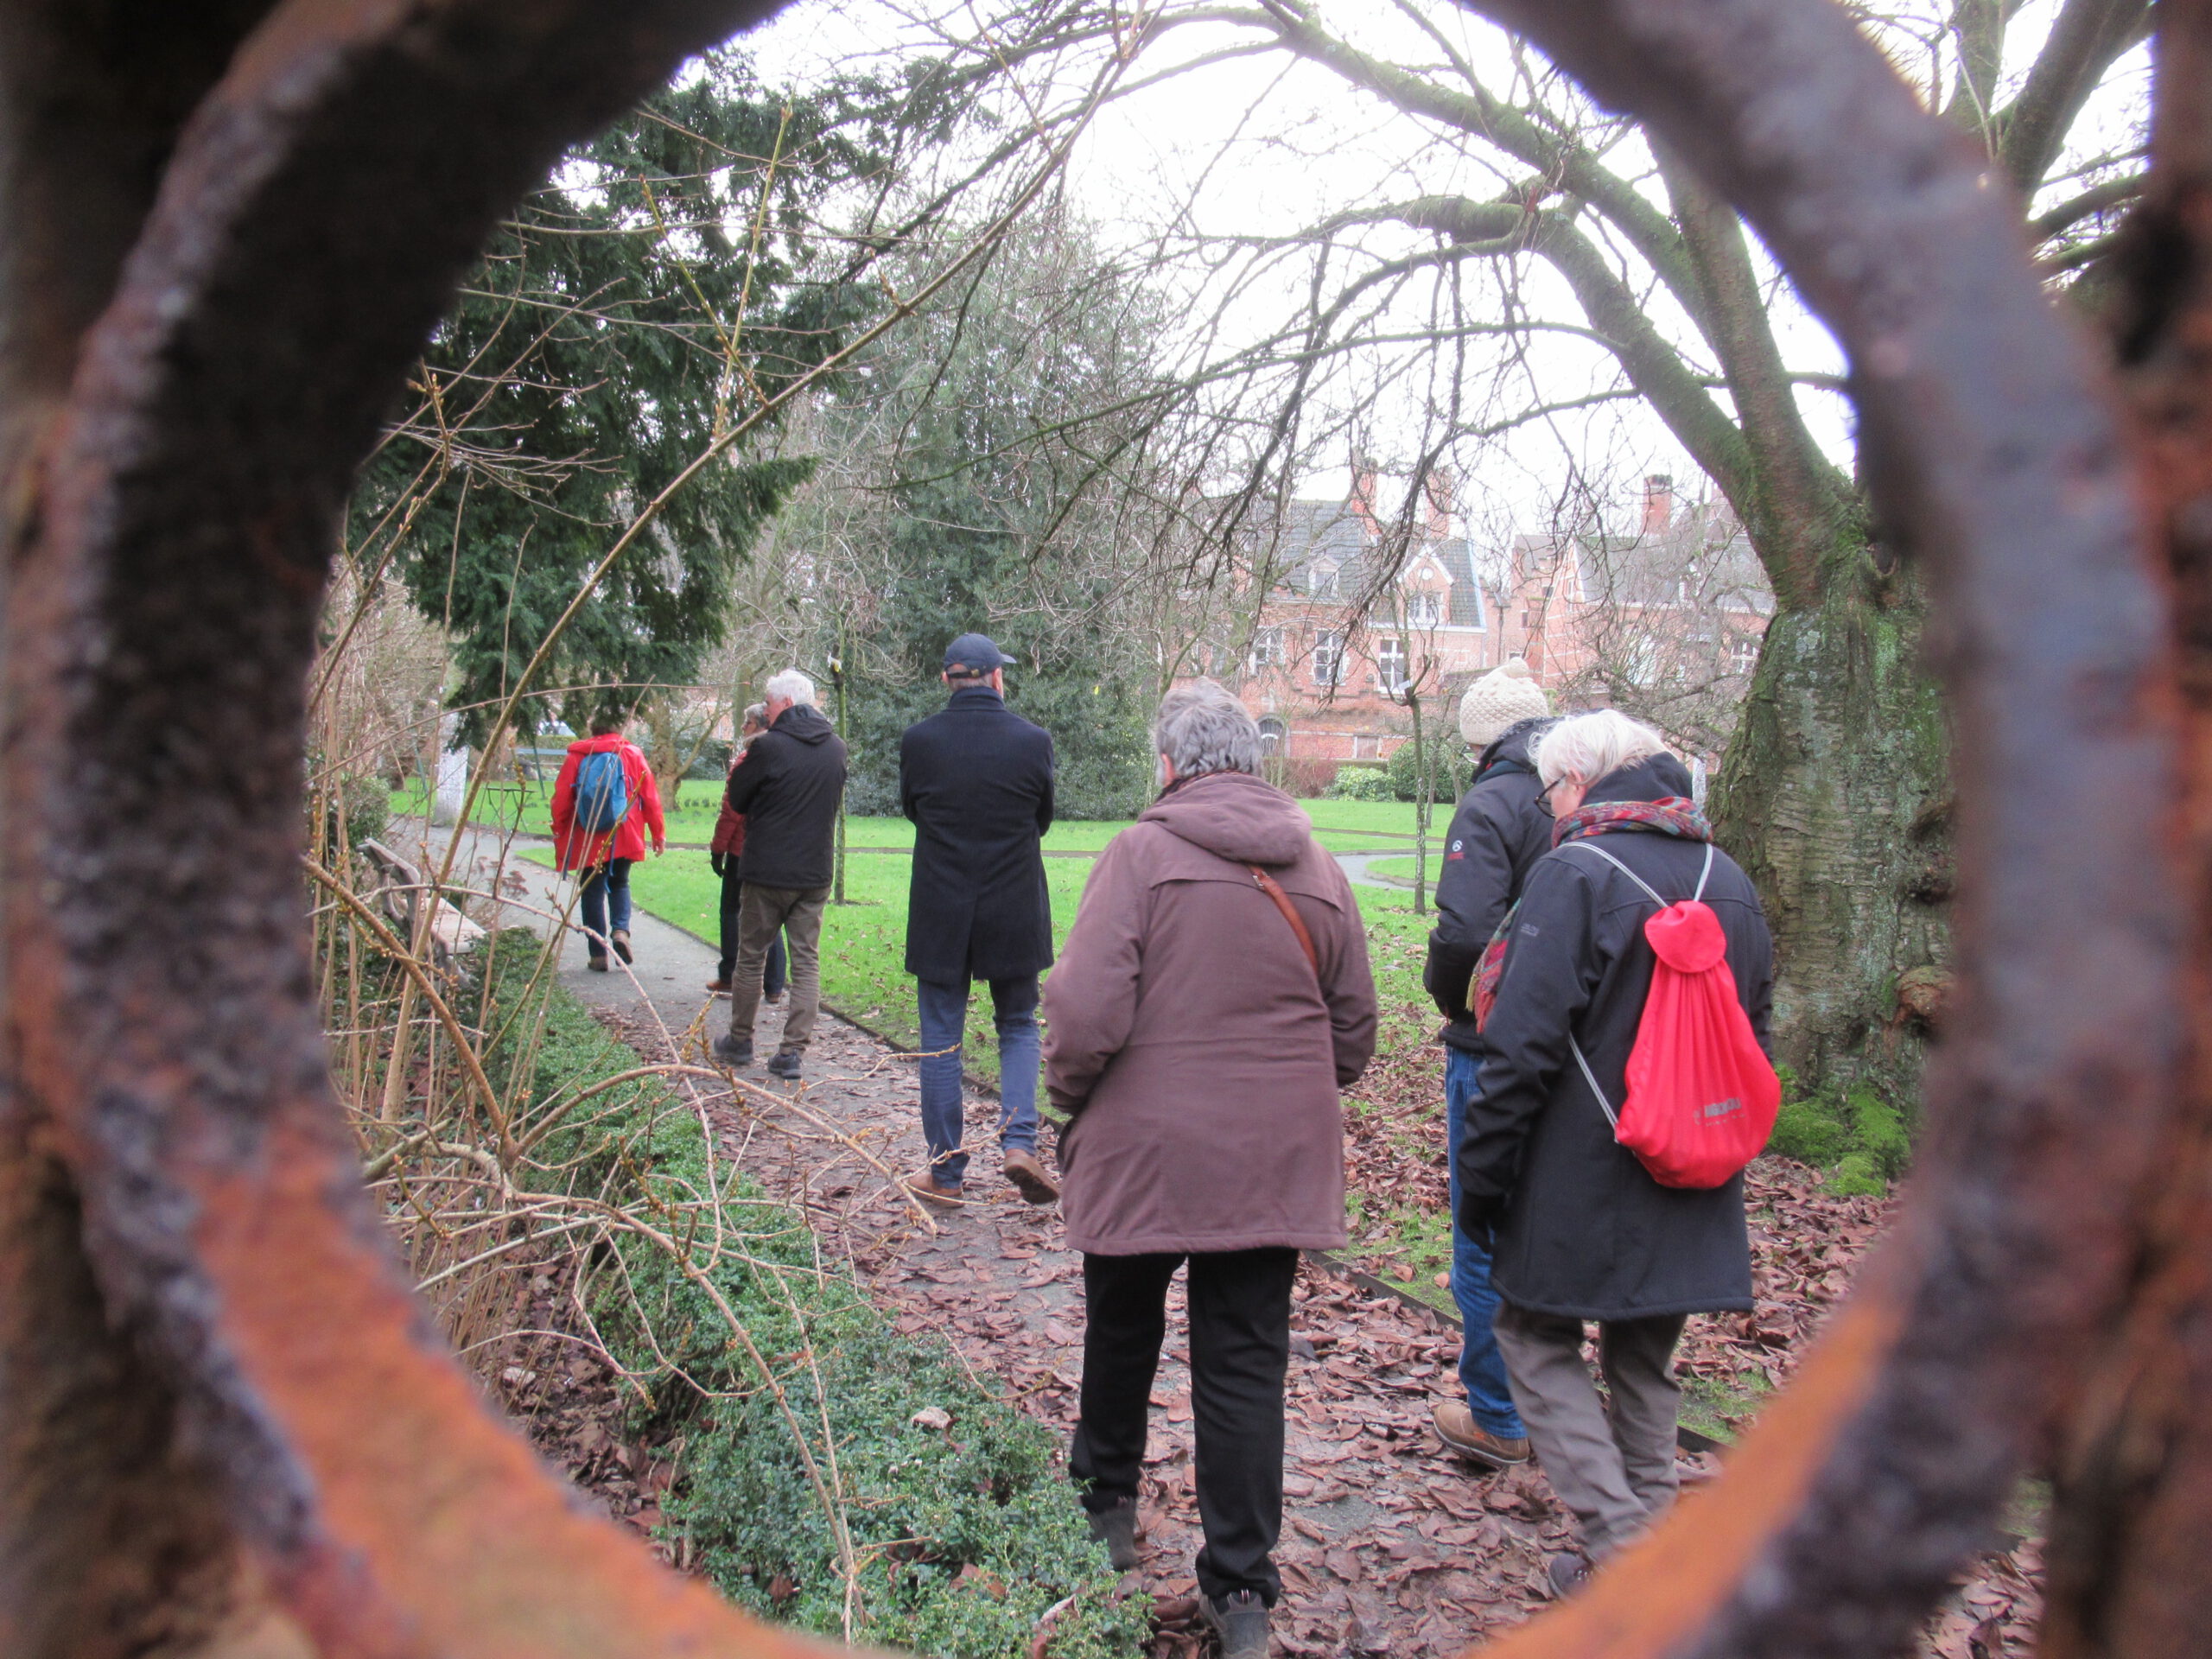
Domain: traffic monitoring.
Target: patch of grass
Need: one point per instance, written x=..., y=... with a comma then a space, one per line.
x=963, y=1534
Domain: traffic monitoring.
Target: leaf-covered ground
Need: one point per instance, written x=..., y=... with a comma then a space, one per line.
x=1391, y=1547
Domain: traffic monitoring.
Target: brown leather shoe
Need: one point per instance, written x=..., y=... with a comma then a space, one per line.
x=1456, y=1428
x=596, y=963
x=619, y=938
x=1028, y=1176
x=718, y=986
x=924, y=1185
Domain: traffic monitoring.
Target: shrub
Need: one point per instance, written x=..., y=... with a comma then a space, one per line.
x=1449, y=760
x=964, y=1535
x=1303, y=776
x=1360, y=783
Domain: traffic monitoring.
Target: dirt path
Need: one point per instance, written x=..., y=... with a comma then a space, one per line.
x=1389, y=1546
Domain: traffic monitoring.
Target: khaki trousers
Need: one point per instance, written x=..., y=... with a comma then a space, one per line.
x=1614, y=1470
x=796, y=911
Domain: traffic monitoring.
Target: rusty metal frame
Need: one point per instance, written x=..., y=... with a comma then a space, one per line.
x=224, y=1425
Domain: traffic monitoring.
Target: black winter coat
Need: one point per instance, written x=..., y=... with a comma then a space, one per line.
x=977, y=781
x=788, y=787
x=1581, y=1230
x=1498, y=835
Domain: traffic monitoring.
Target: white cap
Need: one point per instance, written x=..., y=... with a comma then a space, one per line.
x=1500, y=699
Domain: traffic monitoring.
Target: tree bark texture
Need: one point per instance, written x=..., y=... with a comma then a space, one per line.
x=1835, y=797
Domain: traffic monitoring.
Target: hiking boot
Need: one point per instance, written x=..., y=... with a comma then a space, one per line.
x=595, y=962
x=1241, y=1622
x=774, y=1000
x=621, y=940
x=1456, y=1427
x=719, y=985
x=734, y=1051
x=1116, y=1527
x=926, y=1186
x=1028, y=1176
x=1568, y=1573
x=785, y=1063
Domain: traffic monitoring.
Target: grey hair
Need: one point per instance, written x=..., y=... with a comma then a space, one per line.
x=1201, y=727
x=1590, y=746
x=790, y=683
x=756, y=713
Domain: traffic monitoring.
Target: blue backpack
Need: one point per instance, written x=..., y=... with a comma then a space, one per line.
x=602, y=793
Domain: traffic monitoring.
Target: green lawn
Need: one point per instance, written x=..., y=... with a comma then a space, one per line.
x=864, y=940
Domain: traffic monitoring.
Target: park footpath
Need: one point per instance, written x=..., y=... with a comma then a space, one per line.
x=1391, y=1547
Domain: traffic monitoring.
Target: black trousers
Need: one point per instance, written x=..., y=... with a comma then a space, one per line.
x=1240, y=1348
x=779, y=973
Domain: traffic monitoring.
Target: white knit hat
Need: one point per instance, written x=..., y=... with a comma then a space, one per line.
x=1500, y=699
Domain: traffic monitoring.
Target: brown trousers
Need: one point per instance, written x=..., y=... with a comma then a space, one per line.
x=798, y=912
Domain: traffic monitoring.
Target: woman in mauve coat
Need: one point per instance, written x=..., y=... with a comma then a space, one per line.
x=1199, y=1035
x=608, y=856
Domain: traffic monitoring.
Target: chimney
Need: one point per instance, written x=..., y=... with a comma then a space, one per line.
x=1438, y=493
x=1365, y=482
x=1658, y=503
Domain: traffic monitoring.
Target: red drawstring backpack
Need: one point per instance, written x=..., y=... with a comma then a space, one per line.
x=1702, y=1095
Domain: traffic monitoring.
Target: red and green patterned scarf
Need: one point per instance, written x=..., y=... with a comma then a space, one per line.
x=1670, y=815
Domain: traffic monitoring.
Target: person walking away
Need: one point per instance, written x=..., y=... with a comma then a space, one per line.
x=1579, y=1231
x=605, y=802
x=725, y=857
x=786, y=788
x=977, y=779
x=1212, y=997
x=1496, y=834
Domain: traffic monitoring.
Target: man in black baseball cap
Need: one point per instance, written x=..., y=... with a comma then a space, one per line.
x=977, y=781
x=975, y=657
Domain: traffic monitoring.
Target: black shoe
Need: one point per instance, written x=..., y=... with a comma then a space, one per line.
x=785, y=1063
x=1116, y=1528
x=1241, y=1622
x=734, y=1051
x=1568, y=1573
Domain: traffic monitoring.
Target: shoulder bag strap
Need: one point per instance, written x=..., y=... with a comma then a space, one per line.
x=1273, y=888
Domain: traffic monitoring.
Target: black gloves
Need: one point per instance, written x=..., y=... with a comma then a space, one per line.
x=1479, y=1219
x=1447, y=978
x=717, y=862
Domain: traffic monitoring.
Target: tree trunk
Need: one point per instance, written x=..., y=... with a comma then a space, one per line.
x=1836, y=798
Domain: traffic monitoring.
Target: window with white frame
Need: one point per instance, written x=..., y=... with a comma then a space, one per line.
x=1743, y=652
x=1425, y=610
x=1274, y=736
x=1390, y=665
x=1328, y=657
x=1266, y=648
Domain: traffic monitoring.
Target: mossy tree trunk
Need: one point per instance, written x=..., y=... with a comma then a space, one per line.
x=1835, y=797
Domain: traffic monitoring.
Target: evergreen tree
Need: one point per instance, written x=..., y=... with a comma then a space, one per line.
x=660, y=288
x=997, y=516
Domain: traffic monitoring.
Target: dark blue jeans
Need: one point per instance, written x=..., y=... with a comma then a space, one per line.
x=945, y=1024
x=1481, y=1368
x=605, y=888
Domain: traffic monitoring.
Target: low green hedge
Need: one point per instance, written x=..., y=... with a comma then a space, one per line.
x=965, y=1531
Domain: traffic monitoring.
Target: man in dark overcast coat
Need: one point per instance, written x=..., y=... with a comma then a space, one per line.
x=977, y=779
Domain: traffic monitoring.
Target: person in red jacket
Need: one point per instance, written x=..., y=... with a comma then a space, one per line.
x=727, y=857
x=607, y=856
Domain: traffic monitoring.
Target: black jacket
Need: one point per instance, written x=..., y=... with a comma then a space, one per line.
x=788, y=787
x=977, y=781
x=1498, y=835
x=1581, y=1230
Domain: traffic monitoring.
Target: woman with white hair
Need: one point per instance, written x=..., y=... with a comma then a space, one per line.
x=1212, y=997
x=1577, y=1230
